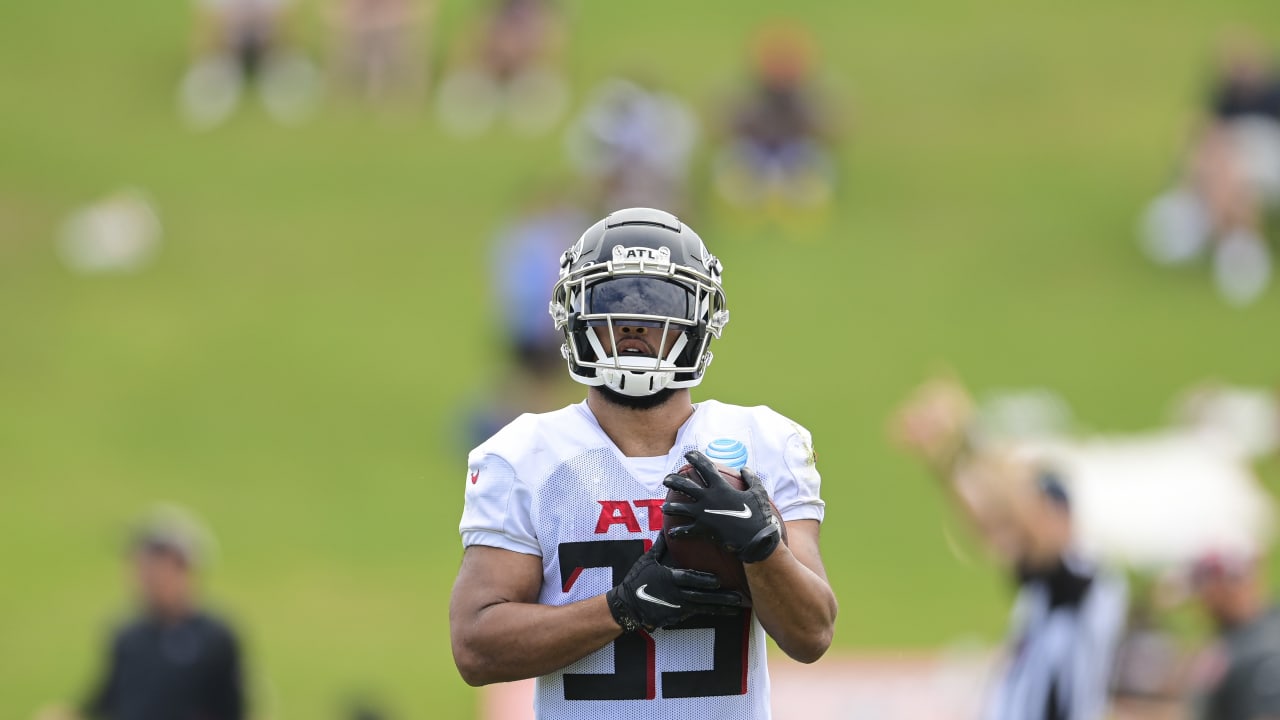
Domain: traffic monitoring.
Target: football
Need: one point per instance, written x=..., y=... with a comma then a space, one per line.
x=702, y=554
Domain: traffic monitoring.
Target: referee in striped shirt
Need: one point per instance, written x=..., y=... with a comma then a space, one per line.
x=1067, y=622
x=1069, y=613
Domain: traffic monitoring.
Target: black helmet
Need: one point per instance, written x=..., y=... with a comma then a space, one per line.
x=642, y=267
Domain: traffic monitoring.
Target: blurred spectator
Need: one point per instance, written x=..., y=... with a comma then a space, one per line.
x=511, y=69
x=526, y=265
x=1238, y=677
x=777, y=151
x=118, y=233
x=1232, y=178
x=173, y=660
x=378, y=47
x=632, y=144
x=239, y=42
x=1069, y=612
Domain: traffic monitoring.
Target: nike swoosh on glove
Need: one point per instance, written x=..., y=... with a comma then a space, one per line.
x=740, y=521
x=652, y=595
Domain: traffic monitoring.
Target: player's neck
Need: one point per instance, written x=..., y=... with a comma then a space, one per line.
x=641, y=433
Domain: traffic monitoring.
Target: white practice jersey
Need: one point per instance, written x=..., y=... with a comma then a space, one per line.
x=555, y=486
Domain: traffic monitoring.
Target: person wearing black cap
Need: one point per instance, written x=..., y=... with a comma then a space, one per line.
x=173, y=661
x=1067, y=622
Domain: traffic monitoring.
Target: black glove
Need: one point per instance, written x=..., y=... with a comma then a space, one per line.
x=740, y=521
x=652, y=595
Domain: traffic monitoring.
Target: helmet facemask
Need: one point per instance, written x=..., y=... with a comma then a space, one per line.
x=607, y=309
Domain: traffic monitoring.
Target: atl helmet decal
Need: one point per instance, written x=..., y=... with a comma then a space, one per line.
x=642, y=255
x=727, y=452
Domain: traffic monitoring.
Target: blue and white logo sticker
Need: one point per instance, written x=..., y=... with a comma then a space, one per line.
x=730, y=453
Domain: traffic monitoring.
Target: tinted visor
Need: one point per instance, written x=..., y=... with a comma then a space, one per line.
x=640, y=295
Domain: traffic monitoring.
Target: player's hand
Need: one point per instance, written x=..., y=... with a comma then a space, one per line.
x=740, y=521
x=652, y=595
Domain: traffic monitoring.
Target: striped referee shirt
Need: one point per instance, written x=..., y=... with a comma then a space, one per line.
x=1067, y=622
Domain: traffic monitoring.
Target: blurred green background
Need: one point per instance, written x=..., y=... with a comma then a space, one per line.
x=296, y=364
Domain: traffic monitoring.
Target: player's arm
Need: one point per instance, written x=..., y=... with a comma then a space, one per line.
x=791, y=595
x=500, y=632
x=789, y=588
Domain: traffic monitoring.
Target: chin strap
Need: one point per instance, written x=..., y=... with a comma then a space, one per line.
x=635, y=383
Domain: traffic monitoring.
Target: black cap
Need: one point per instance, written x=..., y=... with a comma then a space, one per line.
x=1053, y=488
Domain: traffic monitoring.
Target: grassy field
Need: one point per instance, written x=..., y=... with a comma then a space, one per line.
x=295, y=365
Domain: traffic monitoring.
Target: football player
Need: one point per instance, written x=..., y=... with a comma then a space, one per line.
x=565, y=577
